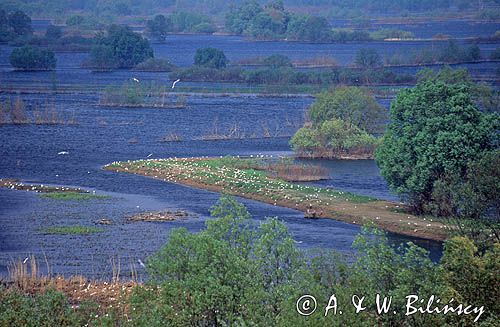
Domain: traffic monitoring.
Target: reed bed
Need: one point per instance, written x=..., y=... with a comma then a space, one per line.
x=18, y=112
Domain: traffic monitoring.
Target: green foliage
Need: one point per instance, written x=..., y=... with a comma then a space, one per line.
x=184, y=21
x=122, y=47
x=53, y=32
x=473, y=277
x=387, y=33
x=368, y=58
x=14, y=26
x=436, y=132
x=211, y=58
x=277, y=61
x=333, y=138
x=32, y=58
x=159, y=26
x=47, y=309
x=353, y=105
x=155, y=65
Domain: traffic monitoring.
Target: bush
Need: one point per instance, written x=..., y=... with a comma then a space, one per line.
x=32, y=58
x=350, y=104
x=368, y=58
x=155, y=65
x=333, y=138
x=210, y=57
x=277, y=61
x=53, y=32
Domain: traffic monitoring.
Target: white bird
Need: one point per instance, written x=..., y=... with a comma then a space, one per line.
x=149, y=155
x=63, y=152
x=25, y=260
x=141, y=263
x=175, y=82
x=135, y=79
x=298, y=242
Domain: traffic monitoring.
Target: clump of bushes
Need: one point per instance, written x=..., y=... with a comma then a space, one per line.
x=32, y=58
x=340, y=124
x=155, y=65
x=120, y=48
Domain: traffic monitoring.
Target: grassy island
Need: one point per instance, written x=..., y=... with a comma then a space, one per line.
x=232, y=176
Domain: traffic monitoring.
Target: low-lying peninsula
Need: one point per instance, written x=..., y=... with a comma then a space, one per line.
x=231, y=176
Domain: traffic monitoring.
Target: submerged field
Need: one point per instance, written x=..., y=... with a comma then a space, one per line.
x=224, y=175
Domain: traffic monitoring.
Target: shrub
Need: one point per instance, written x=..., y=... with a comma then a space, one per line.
x=32, y=58
x=210, y=57
x=155, y=65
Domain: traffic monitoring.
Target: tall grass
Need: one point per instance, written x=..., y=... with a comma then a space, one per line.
x=16, y=112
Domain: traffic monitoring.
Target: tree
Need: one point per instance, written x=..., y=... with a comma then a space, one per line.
x=368, y=58
x=32, y=58
x=159, y=27
x=53, y=32
x=20, y=23
x=277, y=61
x=436, y=131
x=210, y=57
x=121, y=48
x=353, y=105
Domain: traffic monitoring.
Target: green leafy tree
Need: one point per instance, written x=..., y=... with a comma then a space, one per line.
x=159, y=26
x=20, y=23
x=277, y=61
x=353, y=105
x=436, y=131
x=32, y=58
x=126, y=47
x=53, y=32
x=368, y=58
x=210, y=57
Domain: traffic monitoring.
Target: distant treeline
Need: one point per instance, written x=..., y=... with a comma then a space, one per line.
x=111, y=8
x=273, y=21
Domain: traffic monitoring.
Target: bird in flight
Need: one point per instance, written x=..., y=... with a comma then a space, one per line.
x=135, y=80
x=175, y=82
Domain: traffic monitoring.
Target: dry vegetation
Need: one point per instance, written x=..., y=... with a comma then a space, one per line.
x=16, y=112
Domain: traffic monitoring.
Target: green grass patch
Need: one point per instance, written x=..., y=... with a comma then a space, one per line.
x=62, y=230
x=72, y=196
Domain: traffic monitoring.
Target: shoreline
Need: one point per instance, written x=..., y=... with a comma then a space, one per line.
x=212, y=175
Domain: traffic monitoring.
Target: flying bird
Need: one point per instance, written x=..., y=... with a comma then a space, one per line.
x=141, y=263
x=25, y=260
x=149, y=155
x=135, y=80
x=63, y=152
x=175, y=82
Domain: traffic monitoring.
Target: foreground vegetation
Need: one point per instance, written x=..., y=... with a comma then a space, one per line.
x=237, y=272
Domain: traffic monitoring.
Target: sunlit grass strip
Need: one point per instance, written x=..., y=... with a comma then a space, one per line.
x=73, y=196
x=62, y=230
x=223, y=175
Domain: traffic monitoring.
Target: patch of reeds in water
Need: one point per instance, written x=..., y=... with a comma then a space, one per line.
x=138, y=94
x=16, y=112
